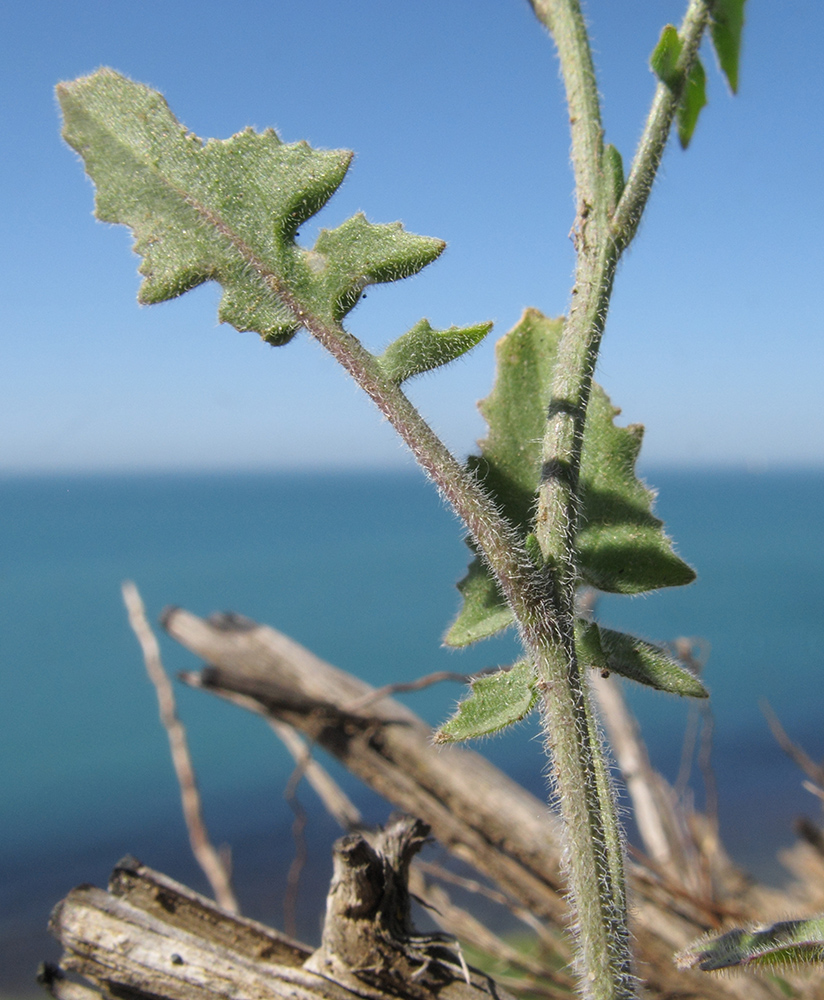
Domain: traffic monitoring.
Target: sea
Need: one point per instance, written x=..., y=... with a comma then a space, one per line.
x=361, y=568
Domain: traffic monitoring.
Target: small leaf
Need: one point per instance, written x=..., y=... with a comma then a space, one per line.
x=647, y=664
x=358, y=253
x=693, y=99
x=665, y=55
x=497, y=700
x=421, y=349
x=789, y=943
x=725, y=30
x=588, y=645
x=621, y=546
x=228, y=211
x=484, y=610
x=614, y=171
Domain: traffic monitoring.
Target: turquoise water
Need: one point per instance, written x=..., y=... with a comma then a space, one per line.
x=361, y=568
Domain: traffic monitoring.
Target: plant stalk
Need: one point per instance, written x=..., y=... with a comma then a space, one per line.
x=594, y=838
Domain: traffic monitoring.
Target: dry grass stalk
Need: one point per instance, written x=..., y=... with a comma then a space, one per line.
x=204, y=851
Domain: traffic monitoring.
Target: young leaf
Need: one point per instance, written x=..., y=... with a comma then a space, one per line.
x=790, y=943
x=693, y=99
x=664, y=63
x=422, y=349
x=665, y=57
x=614, y=171
x=647, y=664
x=484, y=610
x=228, y=211
x=622, y=547
x=725, y=31
x=497, y=700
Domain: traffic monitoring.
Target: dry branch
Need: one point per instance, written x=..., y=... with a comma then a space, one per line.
x=474, y=810
x=204, y=851
x=149, y=937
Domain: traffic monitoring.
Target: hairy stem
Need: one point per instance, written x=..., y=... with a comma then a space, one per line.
x=657, y=129
x=526, y=588
x=594, y=840
x=565, y=22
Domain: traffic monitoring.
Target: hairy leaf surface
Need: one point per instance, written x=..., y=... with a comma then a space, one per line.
x=622, y=547
x=616, y=652
x=787, y=944
x=507, y=696
x=421, y=349
x=228, y=211
x=497, y=700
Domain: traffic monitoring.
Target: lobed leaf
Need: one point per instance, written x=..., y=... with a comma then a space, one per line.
x=421, y=349
x=621, y=546
x=497, y=700
x=228, y=211
x=789, y=943
x=725, y=30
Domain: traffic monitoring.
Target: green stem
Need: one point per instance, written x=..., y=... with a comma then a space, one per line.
x=592, y=831
x=565, y=23
x=526, y=589
x=657, y=129
x=594, y=840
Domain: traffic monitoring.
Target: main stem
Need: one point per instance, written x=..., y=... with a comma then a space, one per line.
x=543, y=600
x=594, y=838
x=594, y=846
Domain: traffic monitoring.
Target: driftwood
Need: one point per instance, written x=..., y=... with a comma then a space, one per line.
x=149, y=937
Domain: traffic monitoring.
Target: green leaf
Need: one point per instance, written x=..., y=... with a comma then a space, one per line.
x=664, y=63
x=647, y=664
x=787, y=944
x=228, y=211
x=356, y=254
x=725, y=30
x=614, y=171
x=484, y=610
x=421, y=349
x=694, y=98
x=622, y=547
x=665, y=55
x=497, y=700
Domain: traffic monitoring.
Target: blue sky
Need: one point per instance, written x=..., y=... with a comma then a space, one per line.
x=455, y=112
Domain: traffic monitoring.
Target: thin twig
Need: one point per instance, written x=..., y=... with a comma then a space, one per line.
x=290, y=897
x=404, y=687
x=815, y=772
x=464, y=926
x=204, y=851
x=335, y=800
x=474, y=886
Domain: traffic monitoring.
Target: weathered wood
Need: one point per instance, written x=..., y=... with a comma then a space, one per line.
x=149, y=937
x=457, y=792
x=475, y=811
